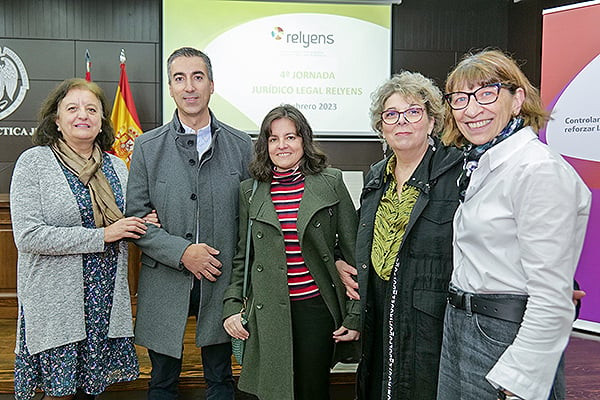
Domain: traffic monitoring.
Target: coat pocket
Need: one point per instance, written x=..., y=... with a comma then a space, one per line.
x=431, y=235
x=148, y=261
x=430, y=302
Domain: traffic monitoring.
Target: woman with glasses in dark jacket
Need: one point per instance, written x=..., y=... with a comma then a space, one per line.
x=404, y=243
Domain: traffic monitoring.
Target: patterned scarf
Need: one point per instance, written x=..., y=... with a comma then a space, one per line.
x=90, y=174
x=472, y=154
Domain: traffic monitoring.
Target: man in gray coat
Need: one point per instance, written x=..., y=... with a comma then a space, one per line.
x=189, y=171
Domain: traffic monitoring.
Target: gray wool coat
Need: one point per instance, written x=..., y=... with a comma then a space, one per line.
x=50, y=241
x=197, y=202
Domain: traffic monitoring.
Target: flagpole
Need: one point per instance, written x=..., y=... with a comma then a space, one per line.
x=88, y=66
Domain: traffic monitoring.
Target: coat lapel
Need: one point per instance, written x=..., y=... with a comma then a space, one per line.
x=318, y=194
x=262, y=208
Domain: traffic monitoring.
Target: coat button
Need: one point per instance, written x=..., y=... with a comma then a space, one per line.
x=190, y=142
x=259, y=306
x=193, y=196
x=192, y=162
x=259, y=235
x=325, y=258
x=259, y=268
x=317, y=224
x=188, y=235
x=364, y=266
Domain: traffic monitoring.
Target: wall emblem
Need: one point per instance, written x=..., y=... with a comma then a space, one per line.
x=14, y=82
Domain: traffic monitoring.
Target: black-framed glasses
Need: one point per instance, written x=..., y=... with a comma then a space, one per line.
x=485, y=95
x=411, y=115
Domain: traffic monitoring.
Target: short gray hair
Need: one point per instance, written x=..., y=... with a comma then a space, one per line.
x=414, y=86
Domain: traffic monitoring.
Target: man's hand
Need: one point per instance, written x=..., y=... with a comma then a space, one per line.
x=152, y=218
x=346, y=272
x=577, y=296
x=200, y=260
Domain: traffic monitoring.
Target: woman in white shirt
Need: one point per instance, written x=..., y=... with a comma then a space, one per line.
x=518, y=234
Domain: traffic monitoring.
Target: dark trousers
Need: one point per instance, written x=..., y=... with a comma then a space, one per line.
x=312, y=331
x=216, y=363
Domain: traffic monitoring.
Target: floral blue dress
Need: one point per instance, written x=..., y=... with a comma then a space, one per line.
x=97, y=361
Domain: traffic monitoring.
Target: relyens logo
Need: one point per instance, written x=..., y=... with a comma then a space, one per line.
x=14, y=82
x=277, y=33
x=302, y=38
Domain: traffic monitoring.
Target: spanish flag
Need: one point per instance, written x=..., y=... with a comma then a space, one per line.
x=124, y=117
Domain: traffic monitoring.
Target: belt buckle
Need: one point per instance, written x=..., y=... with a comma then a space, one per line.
x=449, y=299
x=453, y=296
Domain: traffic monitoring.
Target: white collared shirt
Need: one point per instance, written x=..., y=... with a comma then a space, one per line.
x=520, y=230
x=203, y=137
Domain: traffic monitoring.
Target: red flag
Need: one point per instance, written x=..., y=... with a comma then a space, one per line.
x=88, y=66
x=124, y=117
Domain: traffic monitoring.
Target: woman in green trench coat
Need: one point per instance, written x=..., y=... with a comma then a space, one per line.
x=300, y=321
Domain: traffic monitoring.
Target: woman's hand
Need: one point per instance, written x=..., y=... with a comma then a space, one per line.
x=344, y=334
x=152, y=218
x=130, y=227
x=233, y=326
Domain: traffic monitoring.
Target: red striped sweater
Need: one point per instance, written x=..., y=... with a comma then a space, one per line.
x=287, y=189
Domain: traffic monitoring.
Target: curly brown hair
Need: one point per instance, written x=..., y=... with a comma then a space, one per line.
x=47, y=132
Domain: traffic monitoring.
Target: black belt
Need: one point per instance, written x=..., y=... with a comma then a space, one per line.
x=508, y=309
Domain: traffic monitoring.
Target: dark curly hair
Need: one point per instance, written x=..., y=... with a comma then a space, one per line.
x=313, y=161
x=47, y=132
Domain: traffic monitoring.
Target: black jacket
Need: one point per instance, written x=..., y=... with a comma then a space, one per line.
x=421, y=275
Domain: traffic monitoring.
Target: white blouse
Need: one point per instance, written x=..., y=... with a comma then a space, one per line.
x=520, y=230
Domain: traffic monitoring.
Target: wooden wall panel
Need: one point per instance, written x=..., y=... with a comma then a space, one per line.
x=429, y=36
x=8, y=263
x=104, y=20
x=441, y=25
x=8, y=259
x=8, y=251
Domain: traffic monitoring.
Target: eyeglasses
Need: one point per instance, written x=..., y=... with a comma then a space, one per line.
x=486, y=94
x=411, y=115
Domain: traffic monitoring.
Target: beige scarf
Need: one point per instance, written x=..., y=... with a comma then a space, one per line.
x=90, y=174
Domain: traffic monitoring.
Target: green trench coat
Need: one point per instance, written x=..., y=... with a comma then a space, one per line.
x=326, y=217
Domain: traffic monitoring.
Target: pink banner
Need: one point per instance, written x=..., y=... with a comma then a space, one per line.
x=571, y=91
